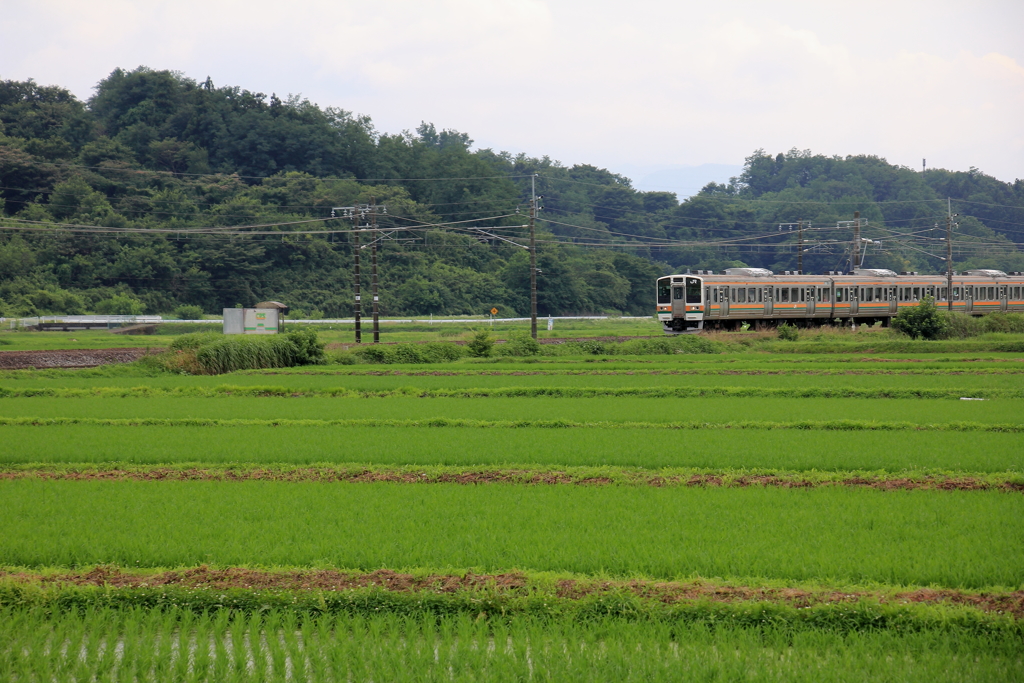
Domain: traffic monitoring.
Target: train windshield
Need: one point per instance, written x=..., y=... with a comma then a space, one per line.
x=693, y=287
x=664, y=290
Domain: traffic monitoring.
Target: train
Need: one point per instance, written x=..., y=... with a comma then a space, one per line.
x=758, y=297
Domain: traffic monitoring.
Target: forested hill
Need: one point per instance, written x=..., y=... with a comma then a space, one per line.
x=153, y=156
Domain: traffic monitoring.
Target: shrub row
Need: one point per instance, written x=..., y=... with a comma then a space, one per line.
x=522, y=345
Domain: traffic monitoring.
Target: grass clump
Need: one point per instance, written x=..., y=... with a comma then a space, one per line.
x=204, y=353
x=788, y=332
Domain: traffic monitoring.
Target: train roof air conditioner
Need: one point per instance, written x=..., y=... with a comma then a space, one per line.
x=985, y=271
x=749, y=272
x=875, y=272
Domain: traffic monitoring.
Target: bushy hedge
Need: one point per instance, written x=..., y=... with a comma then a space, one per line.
x=963, y=326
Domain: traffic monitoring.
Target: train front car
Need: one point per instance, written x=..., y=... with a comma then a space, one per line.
x=681, y=304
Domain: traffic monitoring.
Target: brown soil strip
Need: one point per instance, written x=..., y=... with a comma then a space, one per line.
x=511, y=476
x=512, y=582
x=69, y=358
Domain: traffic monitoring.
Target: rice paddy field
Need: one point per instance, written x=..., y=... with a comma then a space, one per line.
x=734, y=516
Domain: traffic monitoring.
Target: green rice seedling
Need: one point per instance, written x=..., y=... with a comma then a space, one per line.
x=835, y=534
x=951, y=384
x=626, y=408
x=779, y=450
x=382, y=647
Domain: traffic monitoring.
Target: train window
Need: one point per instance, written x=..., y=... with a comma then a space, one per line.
x=692, y=290
x=991, y=293
x=1016, y=292
x=785, y=295
x=732, y=294
x=956, y=293
x=664, y=291
x=760, y=295
x=801, y=294
x=751, y=294
x=969, y=292
x=840, y=294
x=825, y=294
x=677, y=292
x=741, y=295
x=714, y=293
x=943, y=293
x=865, y=294
x=878, y=294
x=916, y=295
x=707, y=294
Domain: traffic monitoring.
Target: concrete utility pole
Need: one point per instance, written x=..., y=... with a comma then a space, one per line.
x=799, y=242
x=373, y=277
x=856, y=241
x=949, y=253
x=533, y=256
x=800, y=247
x=357, y=214
x=355, y=284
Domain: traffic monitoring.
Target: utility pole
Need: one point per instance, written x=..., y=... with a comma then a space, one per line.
x=800, y=247
x=357, y=213
x=355, y=253
x=373, y=277
x=533, y=256
x=949, y=253
x=856, y=241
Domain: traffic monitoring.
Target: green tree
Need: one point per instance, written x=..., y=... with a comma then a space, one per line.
x=923, y=321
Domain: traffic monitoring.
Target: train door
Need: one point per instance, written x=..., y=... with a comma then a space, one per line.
x=811, y=299
x=893, y=300
x=723, y=301
x=768, y=302
x=854, y=300
x=968, y=298
x=712, y=307
x=1002, y=297
x=678, y=302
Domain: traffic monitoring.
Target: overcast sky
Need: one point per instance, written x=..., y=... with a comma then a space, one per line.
x=637, y=87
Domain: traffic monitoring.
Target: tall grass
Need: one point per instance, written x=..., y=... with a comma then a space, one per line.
x=954, y=539
x=173, y=644
x=205, y=353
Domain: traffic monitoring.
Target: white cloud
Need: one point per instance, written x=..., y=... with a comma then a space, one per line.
x=646, y=84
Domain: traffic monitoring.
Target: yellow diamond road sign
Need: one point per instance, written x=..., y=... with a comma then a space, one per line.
x=494, y=311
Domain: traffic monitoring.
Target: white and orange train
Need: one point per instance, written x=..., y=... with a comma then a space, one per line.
x=695, y=301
